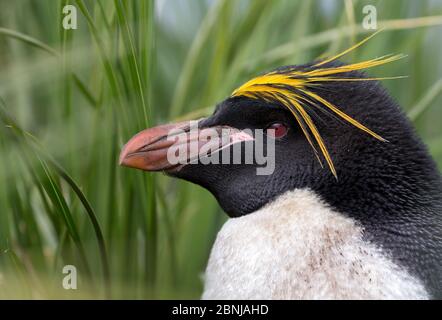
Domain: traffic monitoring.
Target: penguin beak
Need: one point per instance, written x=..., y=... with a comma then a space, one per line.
x=149, y=150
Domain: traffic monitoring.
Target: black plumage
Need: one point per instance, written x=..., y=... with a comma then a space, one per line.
x=392, y=189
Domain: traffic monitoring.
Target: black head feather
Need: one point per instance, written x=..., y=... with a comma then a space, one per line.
x=393, y=189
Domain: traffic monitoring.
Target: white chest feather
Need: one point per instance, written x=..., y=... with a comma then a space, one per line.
x=298, y=248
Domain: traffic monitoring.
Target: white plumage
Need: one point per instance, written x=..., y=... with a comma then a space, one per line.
x=296, y=247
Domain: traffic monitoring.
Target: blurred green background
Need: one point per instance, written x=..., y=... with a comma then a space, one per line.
x=71, y=98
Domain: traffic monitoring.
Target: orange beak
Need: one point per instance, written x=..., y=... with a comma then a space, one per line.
x=148, y=150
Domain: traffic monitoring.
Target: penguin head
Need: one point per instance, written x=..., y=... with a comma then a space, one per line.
x=343, y=137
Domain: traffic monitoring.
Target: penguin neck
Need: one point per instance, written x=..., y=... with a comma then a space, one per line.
x=297, y=247
x=401, y=215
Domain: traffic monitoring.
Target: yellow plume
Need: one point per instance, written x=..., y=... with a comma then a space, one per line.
x=291, y=88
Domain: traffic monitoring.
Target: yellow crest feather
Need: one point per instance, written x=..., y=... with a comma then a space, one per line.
x=290, y=88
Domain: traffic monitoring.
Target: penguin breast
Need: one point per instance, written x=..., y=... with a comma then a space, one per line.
x=297, y=247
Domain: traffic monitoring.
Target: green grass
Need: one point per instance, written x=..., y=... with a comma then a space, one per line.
x=70, y=99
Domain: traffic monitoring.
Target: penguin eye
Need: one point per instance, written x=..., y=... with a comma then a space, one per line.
x=276, y=130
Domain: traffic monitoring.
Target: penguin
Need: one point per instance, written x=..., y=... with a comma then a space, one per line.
x=352, y=209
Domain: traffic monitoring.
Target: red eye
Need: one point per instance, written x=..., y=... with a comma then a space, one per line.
x=276, y=130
